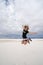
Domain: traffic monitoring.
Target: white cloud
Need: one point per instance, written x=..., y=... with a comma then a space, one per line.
x=20, y=12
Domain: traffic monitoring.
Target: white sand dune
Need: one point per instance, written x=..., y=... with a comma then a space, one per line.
x=12, y=52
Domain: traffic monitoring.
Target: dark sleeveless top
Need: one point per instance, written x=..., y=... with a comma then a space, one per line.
x=24, y=34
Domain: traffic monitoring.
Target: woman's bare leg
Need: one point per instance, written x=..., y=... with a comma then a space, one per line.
x=30, y=39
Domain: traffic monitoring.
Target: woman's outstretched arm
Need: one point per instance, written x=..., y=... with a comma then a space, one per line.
x=32, y=32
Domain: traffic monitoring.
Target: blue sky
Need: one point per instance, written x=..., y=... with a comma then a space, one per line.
x=20, y=12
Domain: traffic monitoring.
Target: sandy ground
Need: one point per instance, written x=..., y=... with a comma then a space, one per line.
x=12, y=52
